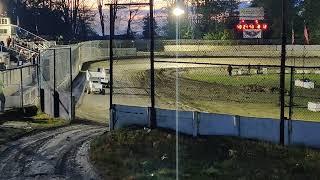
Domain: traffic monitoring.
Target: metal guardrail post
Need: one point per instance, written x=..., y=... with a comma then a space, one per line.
x=21, y=89
x=72, y=109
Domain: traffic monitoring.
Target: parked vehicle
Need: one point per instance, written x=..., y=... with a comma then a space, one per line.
x=97, y=81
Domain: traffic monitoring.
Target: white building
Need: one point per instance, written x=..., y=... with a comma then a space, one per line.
x=5, y=28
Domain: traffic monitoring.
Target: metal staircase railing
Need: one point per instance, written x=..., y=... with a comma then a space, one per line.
x=25, y=44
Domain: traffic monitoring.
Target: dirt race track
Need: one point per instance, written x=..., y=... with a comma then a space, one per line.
x=129, y=91
x=55, y=154
x=63, y=153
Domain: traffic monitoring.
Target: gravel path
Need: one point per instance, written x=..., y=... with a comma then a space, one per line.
x=57, y=154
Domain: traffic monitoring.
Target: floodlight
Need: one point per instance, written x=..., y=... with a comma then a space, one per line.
x=177, y=11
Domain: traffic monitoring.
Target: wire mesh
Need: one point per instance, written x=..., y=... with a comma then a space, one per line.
x=306, y=94
x=18, y=87
x=56, y=81
x=62, y=78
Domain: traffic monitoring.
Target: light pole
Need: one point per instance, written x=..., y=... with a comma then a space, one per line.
x=177, y=12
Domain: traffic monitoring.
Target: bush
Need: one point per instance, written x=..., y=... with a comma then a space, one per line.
x=225, y=35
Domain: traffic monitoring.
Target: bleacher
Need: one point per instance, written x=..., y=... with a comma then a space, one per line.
x=24, y=46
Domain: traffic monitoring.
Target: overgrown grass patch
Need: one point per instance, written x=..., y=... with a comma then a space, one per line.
x=144, y=154
x=16, y=123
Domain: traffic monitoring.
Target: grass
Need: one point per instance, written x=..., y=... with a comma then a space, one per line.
x=142, y=154
x=212, y=90
x=15, y=124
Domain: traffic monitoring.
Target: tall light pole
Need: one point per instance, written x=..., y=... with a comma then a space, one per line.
x=177, y=12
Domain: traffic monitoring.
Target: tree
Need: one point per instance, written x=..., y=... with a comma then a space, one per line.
x=100, y=3
x=133, y=12
x=273, y=14
x=146, y=27
x=69, y=18
x=310, y=14
x=185, y=28
x=204, y=17
x=214, y=16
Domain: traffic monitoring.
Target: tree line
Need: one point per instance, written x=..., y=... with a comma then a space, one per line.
x=54, y=19
x=203, y=19
x=216, y=20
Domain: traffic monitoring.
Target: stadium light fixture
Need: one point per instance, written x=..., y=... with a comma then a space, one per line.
x=177, y=11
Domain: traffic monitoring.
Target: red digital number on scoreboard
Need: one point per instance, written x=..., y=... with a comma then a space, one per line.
x=256, y=25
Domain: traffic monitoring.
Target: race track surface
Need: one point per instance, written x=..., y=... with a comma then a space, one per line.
x=56, y=154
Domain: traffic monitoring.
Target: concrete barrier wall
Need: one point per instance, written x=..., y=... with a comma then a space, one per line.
x=218, y=124
x=11, y=79
x=64, y=105
x=13, y=102
x=242, y=50
x=305, y=133
x=48, y=101
x=80, y=53
x=30, y=96
x=261, y=129
x=167, y=119
x=195, y=123
x=126, y=116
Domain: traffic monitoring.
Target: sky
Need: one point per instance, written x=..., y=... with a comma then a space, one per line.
x=121, y=24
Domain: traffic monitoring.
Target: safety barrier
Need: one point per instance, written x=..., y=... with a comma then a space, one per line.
x=205, y=124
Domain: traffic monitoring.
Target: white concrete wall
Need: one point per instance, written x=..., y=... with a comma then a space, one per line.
x=242, y=50
x=13, y=101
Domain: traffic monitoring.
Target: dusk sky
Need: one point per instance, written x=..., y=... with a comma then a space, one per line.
x=121, y=23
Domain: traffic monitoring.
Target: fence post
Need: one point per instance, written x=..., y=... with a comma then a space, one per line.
x=55, y=93
x=111, y=67
x=152, y=79
x=72, y=99
x=21, y=89
x=282, y=71
x=291, y=104
x=38, y=81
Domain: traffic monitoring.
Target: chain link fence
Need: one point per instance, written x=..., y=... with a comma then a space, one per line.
x=205, y=81
x=19, y=87
x=56, y=80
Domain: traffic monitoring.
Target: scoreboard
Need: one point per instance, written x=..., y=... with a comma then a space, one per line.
x=251, y=23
